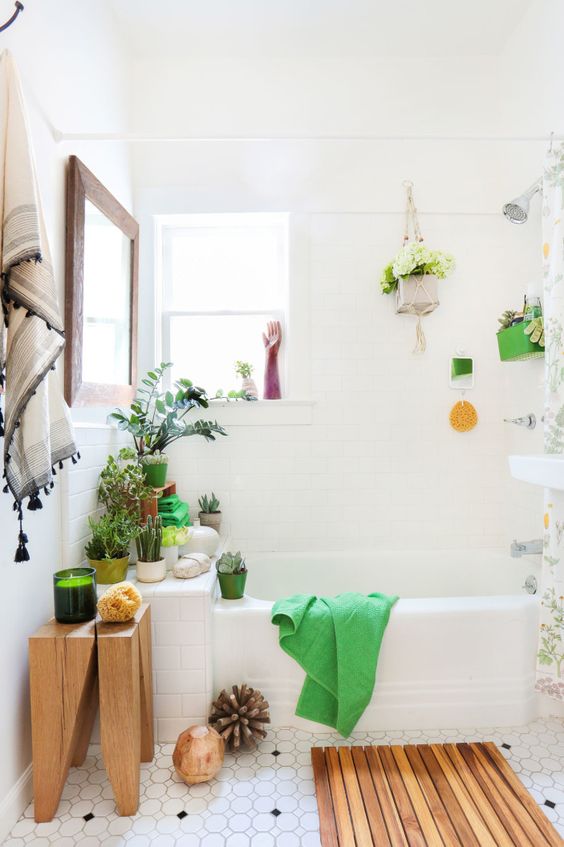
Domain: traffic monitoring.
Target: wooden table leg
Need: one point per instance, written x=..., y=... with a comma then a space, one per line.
x=120, y=710
x=88, y=718
x=62, y=672
x=143, y=618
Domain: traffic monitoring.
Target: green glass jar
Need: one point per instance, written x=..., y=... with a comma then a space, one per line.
x=75, y=595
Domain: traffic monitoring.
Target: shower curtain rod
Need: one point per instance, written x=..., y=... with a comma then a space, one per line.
x=65, y=137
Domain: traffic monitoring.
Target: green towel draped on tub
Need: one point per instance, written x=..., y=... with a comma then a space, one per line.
x=336, y=640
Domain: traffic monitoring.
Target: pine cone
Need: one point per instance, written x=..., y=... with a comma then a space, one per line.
x=240, y=717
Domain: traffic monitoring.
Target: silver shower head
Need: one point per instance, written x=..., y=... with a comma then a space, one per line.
x=517, y=210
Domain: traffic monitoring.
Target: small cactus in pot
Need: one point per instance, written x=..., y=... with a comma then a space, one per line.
x=210, y=514
x=232, y=574
x=249, y=386
x=151, y=567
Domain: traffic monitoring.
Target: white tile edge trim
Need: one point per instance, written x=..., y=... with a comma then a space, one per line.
x=15, y=803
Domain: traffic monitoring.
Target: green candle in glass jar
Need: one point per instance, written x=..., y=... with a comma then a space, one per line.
x=75, y=595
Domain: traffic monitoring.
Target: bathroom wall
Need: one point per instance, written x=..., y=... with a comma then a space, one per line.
x=72, y=71
x=378, y=464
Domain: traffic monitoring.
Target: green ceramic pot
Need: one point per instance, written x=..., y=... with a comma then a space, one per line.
x=232, y=585
x=110, y=571
x=155, y=475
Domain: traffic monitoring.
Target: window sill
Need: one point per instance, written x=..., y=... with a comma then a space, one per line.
x=263, y=412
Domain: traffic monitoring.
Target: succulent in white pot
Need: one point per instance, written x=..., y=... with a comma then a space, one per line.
x=151, y=566
x=210, y=514
x=244, y=370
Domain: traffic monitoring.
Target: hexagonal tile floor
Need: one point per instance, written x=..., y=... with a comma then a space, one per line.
x=261, y=799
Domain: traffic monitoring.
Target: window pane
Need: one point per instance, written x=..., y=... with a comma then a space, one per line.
x=225, y=267
x=204, y=349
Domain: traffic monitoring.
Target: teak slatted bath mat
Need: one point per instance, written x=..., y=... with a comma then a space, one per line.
x=425, y=795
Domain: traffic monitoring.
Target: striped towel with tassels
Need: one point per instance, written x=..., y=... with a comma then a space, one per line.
x=36, y=427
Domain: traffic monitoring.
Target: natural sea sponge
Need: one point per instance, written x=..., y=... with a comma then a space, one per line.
x=119, y=603
x=463, y=416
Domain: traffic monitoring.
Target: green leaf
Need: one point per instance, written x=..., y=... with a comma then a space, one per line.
x=169, y=398
x=153, y=375
x=160, y=407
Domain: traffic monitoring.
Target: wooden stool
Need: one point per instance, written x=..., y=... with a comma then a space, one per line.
x=67, y=663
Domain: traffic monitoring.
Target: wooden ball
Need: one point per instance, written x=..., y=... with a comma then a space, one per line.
x=198, y=754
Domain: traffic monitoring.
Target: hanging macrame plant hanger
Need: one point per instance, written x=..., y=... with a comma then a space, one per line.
x=415, y=294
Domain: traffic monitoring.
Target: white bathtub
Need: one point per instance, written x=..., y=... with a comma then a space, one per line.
x=459, y=649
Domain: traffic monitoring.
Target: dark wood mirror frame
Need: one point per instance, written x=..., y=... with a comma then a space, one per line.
x=82, y=185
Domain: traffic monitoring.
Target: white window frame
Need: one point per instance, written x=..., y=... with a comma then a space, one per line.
x=296, y=361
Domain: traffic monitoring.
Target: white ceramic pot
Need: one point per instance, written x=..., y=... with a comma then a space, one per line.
x=203, y=539
x=170, y=555
x=151, y=571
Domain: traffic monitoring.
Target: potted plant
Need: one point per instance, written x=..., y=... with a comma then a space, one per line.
x=232, y=575
x=248, y=385
x=173, y=538
x=108, y=549
x=157, y=418
x=154, y=467
x=151, y=566
x=122, y=484
x=412, y=275
x=210, y=514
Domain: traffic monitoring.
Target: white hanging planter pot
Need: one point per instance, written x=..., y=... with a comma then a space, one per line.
x=417, y=295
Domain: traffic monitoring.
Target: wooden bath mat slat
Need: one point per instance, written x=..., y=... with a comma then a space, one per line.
x=451, y=795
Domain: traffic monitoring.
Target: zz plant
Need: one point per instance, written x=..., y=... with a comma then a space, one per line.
x=157, y=418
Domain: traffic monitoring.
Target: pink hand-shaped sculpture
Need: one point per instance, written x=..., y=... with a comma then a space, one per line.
x=272, y=340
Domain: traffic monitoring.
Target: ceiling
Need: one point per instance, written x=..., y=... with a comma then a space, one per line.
x=317, y=28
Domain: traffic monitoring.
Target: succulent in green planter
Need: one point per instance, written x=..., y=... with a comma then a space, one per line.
x=151, y=566
x=232, y=574
x=108, y=549
x=210, y=514
x=154, y=467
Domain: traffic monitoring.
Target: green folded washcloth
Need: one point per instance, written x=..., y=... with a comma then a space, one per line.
x=169, y=504
x=177, y=524
x=178, y=517
x=336, y=640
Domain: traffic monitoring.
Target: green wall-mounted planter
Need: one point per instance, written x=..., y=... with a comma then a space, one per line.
x=515, y=346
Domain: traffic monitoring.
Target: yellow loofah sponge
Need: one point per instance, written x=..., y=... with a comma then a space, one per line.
x=119, y=603
x=463, y=416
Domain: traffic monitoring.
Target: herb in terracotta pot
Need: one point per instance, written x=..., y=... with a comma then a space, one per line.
x=232, y=575
x=210, y=514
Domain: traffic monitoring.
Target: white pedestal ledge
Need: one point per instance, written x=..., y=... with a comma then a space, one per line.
x=181, y=611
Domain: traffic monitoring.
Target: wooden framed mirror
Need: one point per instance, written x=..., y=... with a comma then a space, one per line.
x=101, y=291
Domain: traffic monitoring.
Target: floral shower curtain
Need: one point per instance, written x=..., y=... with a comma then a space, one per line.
x=550, y=666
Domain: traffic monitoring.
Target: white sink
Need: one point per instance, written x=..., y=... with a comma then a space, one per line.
x=540, y=469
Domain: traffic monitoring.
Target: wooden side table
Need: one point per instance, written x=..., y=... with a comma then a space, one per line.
x=67, y=663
